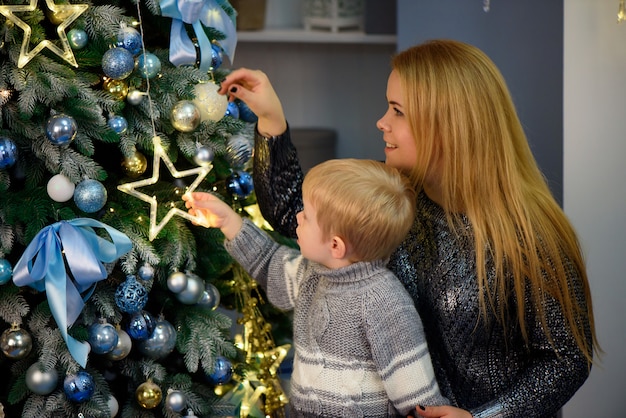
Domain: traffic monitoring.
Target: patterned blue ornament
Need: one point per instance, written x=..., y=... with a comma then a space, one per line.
x=146, y=272
x=140, y=325
x=148, y=65
x=222, y=372
x=117, y=123
x=239, y=149
x=8, y=152
x=90, y=195
x=61, y=129
x=161, y=343
x=77, y=38
x=79, y=387
x=131, y=296
x=103, y=337
x=118, y=63
x=6, y=271
x=217, y=56
x=245, y=113
x=129, y=39
x=240, y=184
x=232, y=110
x=210, y=297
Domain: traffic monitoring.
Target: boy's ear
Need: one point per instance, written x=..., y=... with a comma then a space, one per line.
x=338, y=247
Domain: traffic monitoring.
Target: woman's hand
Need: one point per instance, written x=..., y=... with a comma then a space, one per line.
x=254, y=89
x=441, y=412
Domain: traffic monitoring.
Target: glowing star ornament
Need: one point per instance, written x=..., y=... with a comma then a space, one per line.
x=131, y=189
x=70, y=12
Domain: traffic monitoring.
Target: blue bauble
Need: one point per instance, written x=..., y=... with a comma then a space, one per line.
x=140, y=325
x=161, y=343
x=131, y=296
x=217, y=56
x=146, y=272
x=117, y=123
x=77, y=38
x=8, y=152
x=240, y=184
x=223, y=371
x=103, y=337
x=6, y=271
x=118, y=63
x=129, y=39
x=148, y=65
x=232, y=110
x=61, y=129
x=90, y=196
x=79, y=387
x=245, y=113
x=210, y=297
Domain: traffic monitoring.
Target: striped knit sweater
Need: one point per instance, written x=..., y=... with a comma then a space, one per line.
x=359, y=346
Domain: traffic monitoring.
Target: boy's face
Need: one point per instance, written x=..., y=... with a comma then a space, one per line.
x=312, y=246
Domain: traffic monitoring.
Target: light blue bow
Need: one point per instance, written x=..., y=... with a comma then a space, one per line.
x=42, y=267
x=209, y=13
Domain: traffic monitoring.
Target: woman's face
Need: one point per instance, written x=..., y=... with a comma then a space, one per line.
x=400, y=149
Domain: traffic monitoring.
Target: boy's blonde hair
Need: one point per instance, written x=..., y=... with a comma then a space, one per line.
x=370, y=205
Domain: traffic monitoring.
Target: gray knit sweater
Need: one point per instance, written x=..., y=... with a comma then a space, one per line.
x=359, y=346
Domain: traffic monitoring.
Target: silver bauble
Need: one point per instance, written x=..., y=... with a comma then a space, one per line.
x=185, y=116
x=204, y=156
x=177, y=281
x=123, y=346
x=135, y=97
x=41, y=382
x=161, y=343
x=175, y=400
x=193, y=291
x=16, y=343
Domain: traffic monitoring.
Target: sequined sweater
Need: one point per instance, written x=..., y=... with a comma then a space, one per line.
x=359, y=344
x=479, y=367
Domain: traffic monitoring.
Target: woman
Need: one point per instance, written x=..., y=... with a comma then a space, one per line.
x=492, y=263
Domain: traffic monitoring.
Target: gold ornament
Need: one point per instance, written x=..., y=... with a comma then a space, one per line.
x=135, y=165
x=65, y=13
x=148, y=394
x=185, y=116
x=117, y=88
x=161, y=155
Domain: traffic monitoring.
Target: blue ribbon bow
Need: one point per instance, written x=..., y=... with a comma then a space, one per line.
x=198, y=13
x=42, y=267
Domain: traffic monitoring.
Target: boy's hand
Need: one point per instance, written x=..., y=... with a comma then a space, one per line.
x=215, y=212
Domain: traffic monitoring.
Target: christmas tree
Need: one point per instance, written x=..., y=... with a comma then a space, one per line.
x=109, y=289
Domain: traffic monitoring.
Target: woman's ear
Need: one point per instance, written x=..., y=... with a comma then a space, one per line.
x=338, y=247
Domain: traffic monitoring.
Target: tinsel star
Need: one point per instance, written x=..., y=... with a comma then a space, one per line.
x=67, y=12
x=161, y=155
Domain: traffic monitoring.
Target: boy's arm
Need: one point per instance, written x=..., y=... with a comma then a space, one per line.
x=215, y=212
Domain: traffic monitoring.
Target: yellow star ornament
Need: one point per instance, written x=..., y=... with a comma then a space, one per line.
x=68, y=13
x=161, y=155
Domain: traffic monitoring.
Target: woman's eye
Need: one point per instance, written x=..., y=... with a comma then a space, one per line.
x=398, y=112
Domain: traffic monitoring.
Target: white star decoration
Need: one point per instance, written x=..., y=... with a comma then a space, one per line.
x=67, y=12
x=161, y=155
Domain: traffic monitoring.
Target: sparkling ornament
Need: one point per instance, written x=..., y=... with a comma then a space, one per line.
x=113, y=406
x=140, y=325
x=240, y=184
x=118, y=63
x=161, y=343
x=129, y=38
x=77, y=38
x=204, y=156
x=60, y=188
x=222, y=371
x=61, y=129
x=90, y=196
x=210, y=297
x=211, y=104
x=185, y=116
x=103, y=337
x=135, y=97
x=177, y=282
x=239, y=150
x=8, y=152
x=118, y=124
x=148, y=65
x=245, y=113
x=217, y=56
x=148, y=394
x=40, y=381
x=131, y=296
x=16, y=343
x=6, y=271
x=123, y=346
x=79, y=387
x=117, y=88
x=175, y=400
x=192, y=293
x=146, y=272
x=232, y=110
x=135, y=165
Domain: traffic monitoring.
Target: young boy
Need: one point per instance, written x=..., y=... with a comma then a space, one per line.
x=359, y=343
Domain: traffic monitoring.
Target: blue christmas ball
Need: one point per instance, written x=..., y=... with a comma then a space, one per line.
x=61, y=129
x=148, y=65
x=232, y=110
x=245, y=113
x=217, y=56
x=141, y=325
x=103, y=337
x=90, y=195
x=77, y=38
x=161, y=343
x=240, y=184
x=131, y=296
x=117, y=123
x=146, y=272
x=8, y=152
x=222, y=372
x=79, y=387
x=129, y=39
x=6, y=271
x=118, y=63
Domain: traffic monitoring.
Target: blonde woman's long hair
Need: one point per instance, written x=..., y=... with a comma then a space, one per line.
x=464, y=122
